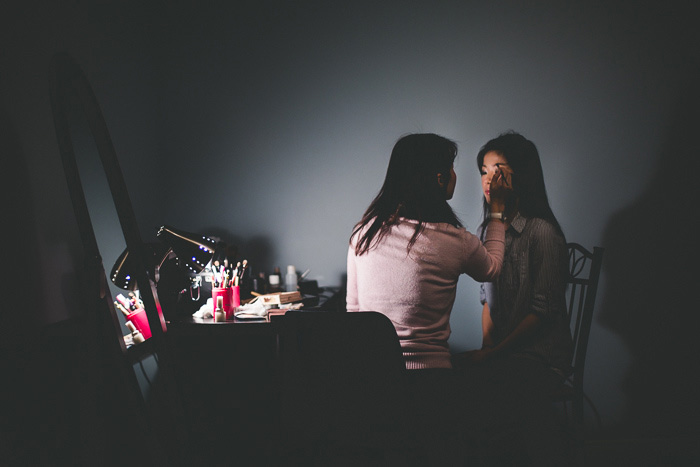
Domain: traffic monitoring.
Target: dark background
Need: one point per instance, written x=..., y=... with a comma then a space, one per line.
x=270, y=124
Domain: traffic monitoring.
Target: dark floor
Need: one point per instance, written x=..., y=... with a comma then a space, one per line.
x=74, y=410
x=643, y=452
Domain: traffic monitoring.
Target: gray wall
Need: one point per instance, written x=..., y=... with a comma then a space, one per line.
x=270, y=124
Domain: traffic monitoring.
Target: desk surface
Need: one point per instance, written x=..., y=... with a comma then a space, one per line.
x=325, y=301
x=207, y=326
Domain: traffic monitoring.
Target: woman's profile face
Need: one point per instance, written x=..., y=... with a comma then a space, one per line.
x=492, y=162
x=452, y=183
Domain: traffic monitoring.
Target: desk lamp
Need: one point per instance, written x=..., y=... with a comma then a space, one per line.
x=193, y=251
x=122, y=271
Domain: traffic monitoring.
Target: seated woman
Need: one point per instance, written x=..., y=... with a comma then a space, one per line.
x=404, y=260
x=409, y=249
x=524, y=310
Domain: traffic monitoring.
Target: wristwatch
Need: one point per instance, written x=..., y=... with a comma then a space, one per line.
x=496, y=215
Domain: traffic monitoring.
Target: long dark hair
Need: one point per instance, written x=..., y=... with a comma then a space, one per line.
x=411, y=189
x=528, y=180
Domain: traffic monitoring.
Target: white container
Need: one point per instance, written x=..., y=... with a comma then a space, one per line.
x=290, y=280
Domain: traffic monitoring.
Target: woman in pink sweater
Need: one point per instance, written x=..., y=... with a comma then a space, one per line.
x=409, y=249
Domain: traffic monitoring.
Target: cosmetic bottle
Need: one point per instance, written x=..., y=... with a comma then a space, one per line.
x=290, y=280
x=137, y=337
x=274, y=281
x=260, y=284
x=247, y=281
x=219, y=314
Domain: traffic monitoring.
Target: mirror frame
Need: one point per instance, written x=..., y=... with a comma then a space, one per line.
x=67, y=80
x=167, y=432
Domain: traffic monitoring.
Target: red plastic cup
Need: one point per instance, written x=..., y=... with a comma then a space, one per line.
x=140, y=321
x=231, y=299
x=235, y=292
x=225, y=294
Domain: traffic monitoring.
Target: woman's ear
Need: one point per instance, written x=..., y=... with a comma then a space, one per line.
x=441, y=180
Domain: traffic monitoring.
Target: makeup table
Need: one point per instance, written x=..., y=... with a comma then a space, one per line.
x=324, y=301
x=241, y=357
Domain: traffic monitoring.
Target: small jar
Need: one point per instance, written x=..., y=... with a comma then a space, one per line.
x=274, y=282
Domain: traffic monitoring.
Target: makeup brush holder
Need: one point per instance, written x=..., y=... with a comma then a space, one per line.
x=231, y=299
x=139, y=319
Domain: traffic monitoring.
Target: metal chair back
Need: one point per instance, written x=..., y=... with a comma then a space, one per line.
x=584, y=273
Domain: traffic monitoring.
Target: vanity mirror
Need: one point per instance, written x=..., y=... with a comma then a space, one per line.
x=107, y=226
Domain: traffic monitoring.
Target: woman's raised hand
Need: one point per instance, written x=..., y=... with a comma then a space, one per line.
x=501, y=188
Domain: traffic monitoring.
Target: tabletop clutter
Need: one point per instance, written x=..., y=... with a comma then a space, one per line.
x=236, y=294
x=268, y=297
x=181, y=265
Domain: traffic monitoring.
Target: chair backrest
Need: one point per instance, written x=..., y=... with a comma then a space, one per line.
x=340, y=370
x=584, y=272
x=343, y=345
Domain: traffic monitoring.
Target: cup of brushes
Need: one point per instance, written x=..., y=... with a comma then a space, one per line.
x=226, y=290
x=135, y=315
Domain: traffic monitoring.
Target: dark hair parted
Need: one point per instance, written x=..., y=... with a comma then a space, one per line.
x=528, y=180
x=411, y=189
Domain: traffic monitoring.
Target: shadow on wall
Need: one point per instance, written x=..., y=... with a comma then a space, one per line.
x=21, y=302
x=59, y=378
x=258, y=250
x=652, y=265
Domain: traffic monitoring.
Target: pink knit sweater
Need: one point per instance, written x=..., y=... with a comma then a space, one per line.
x=416, y=290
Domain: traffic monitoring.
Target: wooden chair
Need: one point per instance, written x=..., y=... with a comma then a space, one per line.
x=584, y=272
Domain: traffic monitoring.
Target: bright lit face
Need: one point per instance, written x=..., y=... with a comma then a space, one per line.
x=492, y=161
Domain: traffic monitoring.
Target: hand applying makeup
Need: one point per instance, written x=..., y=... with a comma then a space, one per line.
x=499, y=189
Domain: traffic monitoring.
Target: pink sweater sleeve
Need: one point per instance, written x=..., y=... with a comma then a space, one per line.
x=484, y=264
x=351, y=296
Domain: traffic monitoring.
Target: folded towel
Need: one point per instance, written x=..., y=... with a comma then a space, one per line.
x=251, y=310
